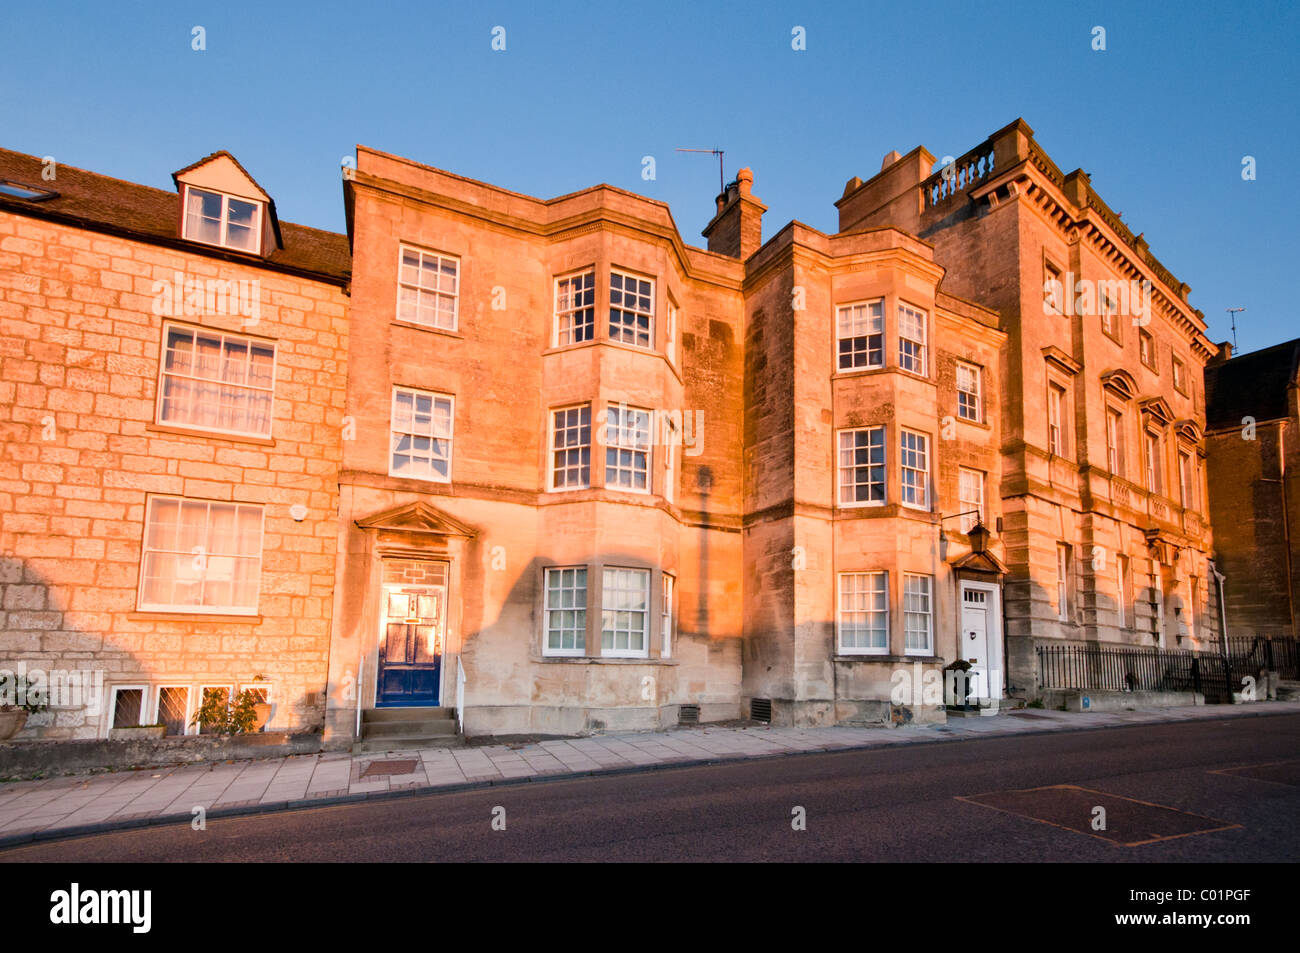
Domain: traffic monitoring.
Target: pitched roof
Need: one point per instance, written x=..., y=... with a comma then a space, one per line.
x=102, y=203
x=1253, y=385
x=220, y=153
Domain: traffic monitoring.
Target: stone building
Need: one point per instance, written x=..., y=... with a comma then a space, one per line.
x=171, y=399
x=1254, y=455
x=1102, y=409
x=575, y=473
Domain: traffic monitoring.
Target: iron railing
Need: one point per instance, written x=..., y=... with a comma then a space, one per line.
x=1095, y=668
x=1122, y=669
x=1249, y=654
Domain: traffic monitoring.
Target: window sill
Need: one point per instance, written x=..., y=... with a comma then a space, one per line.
x=602, y=660
x=845, y=372
x=209, y=434
x=151, y=616
x=981, y=424
x=424, y=327
x=868, y=657
x=411, y=479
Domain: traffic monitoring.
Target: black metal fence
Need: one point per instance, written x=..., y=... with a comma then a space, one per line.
x=1098, y=668
x=1249, y=654
x=1216, y=675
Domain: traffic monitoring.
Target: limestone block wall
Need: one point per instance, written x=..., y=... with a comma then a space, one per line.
x=80, y=454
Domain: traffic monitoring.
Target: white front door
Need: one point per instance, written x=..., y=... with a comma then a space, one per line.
x=980, y=640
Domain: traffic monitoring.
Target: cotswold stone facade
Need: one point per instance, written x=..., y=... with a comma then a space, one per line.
x=142, y=535
x=1102, y=406
x=563, y=471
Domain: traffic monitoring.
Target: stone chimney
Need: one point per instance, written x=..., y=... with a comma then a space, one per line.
x=1225, y=354
x=737, y=229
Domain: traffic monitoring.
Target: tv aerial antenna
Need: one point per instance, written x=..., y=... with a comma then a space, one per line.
x=1233, y=314
x=722, y=186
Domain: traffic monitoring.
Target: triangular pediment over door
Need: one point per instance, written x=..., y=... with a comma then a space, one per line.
x=418, y=517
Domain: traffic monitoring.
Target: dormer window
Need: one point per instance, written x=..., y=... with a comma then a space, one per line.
x=218, y=219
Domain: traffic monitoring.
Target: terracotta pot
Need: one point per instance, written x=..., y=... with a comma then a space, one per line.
x=263, y=710
x=12, y=721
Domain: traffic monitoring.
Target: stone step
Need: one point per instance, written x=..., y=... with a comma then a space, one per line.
x=423, y=726
x=375, y=715
x=406, y=743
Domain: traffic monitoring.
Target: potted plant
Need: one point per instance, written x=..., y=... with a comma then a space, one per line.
x=960, y=682
x=217, y=716
x=17, y=704
x=261, y=706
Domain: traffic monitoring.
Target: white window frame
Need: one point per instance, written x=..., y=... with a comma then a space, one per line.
x=1178, y=374
x=622, y=328
x=871, y=575
x=615, y=442
x=927, y=614
x=865, y=320
x=904, y=469
x=259, y=210
x=629, y=652
x=1152, y=465
x=1052, y=275
x=841, y=468
x=559, y=331
x=977, y=395
x=552, y=467
x=667, y=633
x=920, y=341
x=1109, y=314
x=547, y=609
x=1147, y=344
x=221, y=386
x=1063, y=571
x=142, y=688
x=964, y=502
x=189, y=704
x=394, y=433
x=1056, y=396
x=419, y=288
x=204, y=553
x=1115, y=440
x=1186, y=480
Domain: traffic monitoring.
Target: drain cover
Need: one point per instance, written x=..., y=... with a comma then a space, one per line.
x=1128, y=823
x=383, y=769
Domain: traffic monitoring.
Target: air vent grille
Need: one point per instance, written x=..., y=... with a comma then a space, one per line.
x=688, y=715
x=760, y=709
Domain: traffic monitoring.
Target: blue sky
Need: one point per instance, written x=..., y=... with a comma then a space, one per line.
x=1161, y=119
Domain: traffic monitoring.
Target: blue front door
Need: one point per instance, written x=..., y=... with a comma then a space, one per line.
x=410, y=650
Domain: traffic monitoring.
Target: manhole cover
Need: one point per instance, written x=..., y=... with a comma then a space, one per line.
x=383, y=769
x=1127, y=823
x=1279, y=772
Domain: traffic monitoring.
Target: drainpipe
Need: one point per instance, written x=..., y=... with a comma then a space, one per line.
x=361, y=668
x=1220, y=578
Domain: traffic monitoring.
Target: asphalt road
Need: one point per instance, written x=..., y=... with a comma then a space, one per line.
x=897, y=804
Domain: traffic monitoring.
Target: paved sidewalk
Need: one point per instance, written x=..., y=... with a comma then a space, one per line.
x=64, y=806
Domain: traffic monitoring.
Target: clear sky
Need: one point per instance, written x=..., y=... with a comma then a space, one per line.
x=1161, y=119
